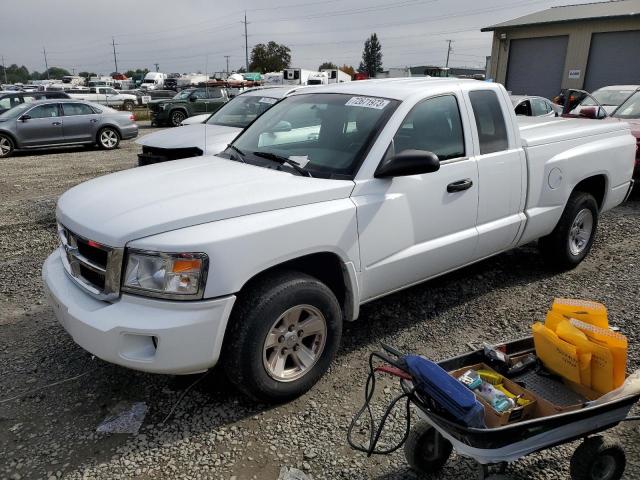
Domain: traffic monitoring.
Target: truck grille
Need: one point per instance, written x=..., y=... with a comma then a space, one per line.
x=93, y=266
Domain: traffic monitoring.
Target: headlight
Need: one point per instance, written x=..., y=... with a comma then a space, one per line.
x=178, y=276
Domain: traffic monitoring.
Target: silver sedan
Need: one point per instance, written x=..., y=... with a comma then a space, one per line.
x=532, y=106
x=53, y=123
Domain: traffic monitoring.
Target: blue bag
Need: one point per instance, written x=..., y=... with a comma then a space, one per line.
x=452, y=396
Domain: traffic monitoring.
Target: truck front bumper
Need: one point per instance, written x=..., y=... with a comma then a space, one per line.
x=140, y=333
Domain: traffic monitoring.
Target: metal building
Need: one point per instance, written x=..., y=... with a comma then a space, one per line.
x=585, y=46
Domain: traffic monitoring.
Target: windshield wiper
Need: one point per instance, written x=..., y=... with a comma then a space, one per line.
x=238, y=151
x=282, y=160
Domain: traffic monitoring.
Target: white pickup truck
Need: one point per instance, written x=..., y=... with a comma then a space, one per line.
x=108, y=96
x=334, y=197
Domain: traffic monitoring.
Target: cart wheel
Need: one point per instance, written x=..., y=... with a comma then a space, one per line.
x=426, y=450
x=598, y=459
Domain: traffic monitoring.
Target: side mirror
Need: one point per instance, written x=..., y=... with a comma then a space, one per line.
x=192, y=98
x=25, y=117
x=281, y=126
x=588, y=112
x=409, y=162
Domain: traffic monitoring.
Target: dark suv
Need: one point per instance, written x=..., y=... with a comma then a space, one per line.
x=9, y=100
x=187, y=103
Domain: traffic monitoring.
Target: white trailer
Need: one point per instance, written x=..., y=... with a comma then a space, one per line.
x=296, y=76
x=336, y=75
x=318, y=78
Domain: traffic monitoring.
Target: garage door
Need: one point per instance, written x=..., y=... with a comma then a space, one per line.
x=536, y=66
x=613, y=60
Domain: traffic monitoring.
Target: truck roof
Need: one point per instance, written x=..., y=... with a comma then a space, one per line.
x=394, y=88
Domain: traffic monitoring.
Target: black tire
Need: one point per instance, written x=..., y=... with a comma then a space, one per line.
x=558, y=248
x=176, y=117
x=128, y=106
x=426, y=450
x=7, y=146
x=113, y=138
x=258, y=308
x=598, y=459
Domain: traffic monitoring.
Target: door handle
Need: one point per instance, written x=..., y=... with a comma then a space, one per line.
x=56, y=124
x=460, y=185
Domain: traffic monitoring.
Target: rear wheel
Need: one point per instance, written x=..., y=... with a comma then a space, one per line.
x=571, y=240
x=128, y=106
x=598, y=459
x=177, y=116
x=283, y=334
x=6, y=146
x=108, y=138
x=426, y=450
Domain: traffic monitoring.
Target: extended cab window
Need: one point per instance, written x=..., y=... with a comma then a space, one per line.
x=433, y=125
x=492, y=130
x=214, y=93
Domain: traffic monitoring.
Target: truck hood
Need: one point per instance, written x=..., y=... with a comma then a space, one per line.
x=136, y=203
x=211, y=139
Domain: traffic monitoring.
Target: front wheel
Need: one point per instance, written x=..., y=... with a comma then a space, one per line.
x=426, y=450
x=283, y=334
x=108, y=138
x=177, y=116
x=597, y=459
x=6, y=146
x=571, y=240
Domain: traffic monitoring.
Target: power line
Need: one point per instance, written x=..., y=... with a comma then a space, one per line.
x=115, y=57
x=46, y=65
x=246, y=43
x=449, y=49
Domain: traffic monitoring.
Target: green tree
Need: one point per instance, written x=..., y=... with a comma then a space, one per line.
x=56, y=73
x=371, y=56
x=271, y=57
x=138, y=72
x=15, y=74
x=327, y=65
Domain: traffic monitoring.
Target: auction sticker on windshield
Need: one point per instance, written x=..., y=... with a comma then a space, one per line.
x=268, y=100
x=367, y=102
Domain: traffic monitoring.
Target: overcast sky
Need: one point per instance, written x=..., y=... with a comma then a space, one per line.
x=192, y=35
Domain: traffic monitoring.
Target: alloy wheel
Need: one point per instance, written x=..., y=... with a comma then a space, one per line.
x=580, y=231
x=5, y=146
x=295, y=343
x=109, y=138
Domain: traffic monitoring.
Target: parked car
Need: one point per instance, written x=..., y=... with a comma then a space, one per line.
x=212, y=137
x=609, y=98
x=336, y=196
x=629, y=112
x=9, y=100
x=48, y=123
x=532, y=106
x=192, y=101
x=107, y=96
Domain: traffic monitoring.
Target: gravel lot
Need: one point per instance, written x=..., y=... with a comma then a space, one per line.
x=216, y=433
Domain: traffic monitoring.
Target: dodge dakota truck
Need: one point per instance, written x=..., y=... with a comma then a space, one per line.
x=334, y=197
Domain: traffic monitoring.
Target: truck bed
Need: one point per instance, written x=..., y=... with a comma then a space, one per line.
x=543, y=130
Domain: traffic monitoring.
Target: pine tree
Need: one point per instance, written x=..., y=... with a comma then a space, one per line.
x=371, y=56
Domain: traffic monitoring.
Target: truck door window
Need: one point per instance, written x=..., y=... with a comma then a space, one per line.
x=539, y=107
x=434, y=125
x=214, y=93
x=199, y=94
x=492, y=129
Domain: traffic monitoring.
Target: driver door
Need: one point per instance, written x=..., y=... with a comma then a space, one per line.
x=415, y=227
x=43, y=127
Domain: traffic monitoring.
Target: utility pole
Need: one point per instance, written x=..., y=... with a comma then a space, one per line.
x=449, y=49
x=46, y=65
x=115, y=57
x=4, y=69
x=157, y=67
x=246, y=43
x=227, y=57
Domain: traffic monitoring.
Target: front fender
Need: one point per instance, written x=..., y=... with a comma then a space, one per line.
x=240, y=248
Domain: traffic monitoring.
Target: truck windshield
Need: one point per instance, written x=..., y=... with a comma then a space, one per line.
x=327, y=134
x=241, y=111
x=630, y=108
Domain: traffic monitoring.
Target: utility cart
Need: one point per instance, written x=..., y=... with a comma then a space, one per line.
x=574, y=416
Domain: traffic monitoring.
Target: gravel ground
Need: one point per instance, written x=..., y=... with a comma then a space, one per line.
x=215, y=432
